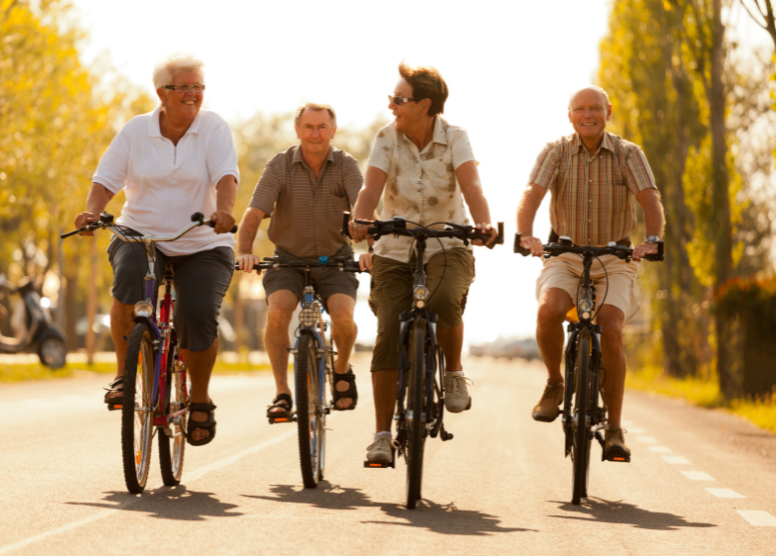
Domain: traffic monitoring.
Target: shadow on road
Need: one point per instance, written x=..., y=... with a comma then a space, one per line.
x=167, y=503
x=438, y=518
x=604, y=511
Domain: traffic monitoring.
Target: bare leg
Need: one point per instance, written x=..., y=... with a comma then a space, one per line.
x=120, y=323
x=276, y=340
x=451, y=342
x=612, y=322
x=554, y=303
x=343, y=332
x=385, y=385
x=200, y=365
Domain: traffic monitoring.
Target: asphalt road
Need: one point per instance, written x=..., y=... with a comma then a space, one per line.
x=701, y=482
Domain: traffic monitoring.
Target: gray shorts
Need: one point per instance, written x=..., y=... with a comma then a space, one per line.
x=327, y=281
x=200, y=281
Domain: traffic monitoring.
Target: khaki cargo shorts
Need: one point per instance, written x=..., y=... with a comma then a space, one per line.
x=391, y=295
x=564, y=272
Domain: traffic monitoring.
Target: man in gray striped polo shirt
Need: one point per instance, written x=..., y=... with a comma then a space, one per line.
x=305, y=190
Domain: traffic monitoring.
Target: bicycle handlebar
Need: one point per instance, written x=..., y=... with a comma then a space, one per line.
x=106, y=221
x=565, y=246
x=344, y=264
x=398, y=226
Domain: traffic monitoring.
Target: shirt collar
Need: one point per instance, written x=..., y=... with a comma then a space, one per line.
x=299, y=158
x=605, y=144
x=155, y=131
x=440, y=132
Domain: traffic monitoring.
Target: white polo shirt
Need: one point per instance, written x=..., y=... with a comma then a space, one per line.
x=165, y=184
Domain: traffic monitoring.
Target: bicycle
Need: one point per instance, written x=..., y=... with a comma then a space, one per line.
x=419, y=355
x=313, y=353
x=584, y=416
x=156, y=387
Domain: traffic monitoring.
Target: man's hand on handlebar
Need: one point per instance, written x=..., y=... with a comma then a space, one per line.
x=224, y=222
x=533, y=244
x=645, y=248
x=358, y=231
x=85, y=218
x=365, y=262
x=248, y=263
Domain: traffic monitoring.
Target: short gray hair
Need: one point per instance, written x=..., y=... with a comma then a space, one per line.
x=315, y=108
x=165, y=69
x=594, y=88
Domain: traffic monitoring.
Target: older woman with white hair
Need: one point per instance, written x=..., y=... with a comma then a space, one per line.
x=171, y=163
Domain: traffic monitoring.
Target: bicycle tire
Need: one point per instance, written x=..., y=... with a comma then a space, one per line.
x=310, y=417
x=580, y=451
x=171, y=460
x=136, y=411
x=416, y=437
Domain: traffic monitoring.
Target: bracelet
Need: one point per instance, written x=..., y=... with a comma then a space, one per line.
x=372, y=248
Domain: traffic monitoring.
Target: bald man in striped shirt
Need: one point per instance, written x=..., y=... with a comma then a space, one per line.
x=595, y=178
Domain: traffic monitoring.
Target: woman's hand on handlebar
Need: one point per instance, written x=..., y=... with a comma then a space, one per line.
x=533, y=244
x=485, y=229
x=644, y=249
x=248, y=262
x=357, y=231
x=224, y=222
x=365, y=262
x=83, y=219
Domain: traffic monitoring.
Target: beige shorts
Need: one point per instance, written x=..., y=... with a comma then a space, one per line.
x=564, y=272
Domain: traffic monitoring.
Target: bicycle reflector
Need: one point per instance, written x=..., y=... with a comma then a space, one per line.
x=308, y=317
x=420, y=293
x=144, y=308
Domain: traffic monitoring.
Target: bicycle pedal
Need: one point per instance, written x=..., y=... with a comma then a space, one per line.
x=273, y=420
x=114, y=407
x=378, y=465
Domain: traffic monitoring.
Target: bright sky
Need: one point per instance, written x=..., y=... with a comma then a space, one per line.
x=510, y=67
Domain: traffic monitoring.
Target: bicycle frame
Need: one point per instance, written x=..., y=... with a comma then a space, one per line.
x=322, y=348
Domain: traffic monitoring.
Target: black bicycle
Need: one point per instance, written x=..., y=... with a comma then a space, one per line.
x=584, y=414
x=420, y=399
x=313, y=354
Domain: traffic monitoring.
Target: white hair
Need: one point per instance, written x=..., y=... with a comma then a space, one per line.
x=165, y=69
x=593, y=88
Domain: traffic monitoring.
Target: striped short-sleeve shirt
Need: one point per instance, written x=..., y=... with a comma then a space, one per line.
x=307, y=212
x=593, y=196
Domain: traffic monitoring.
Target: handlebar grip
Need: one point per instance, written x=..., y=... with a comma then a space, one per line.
x=234, y=229
x=345, y=222
x=659, y=256
x=68, y=234
x=519, y=248
x=213, y=225
x=499, y=238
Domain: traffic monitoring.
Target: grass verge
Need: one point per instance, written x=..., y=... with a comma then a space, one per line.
x=704, y=392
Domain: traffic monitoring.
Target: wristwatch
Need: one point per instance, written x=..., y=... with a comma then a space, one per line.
x=652, y=239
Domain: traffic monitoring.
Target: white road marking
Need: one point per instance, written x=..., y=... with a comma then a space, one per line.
x=676, y=460
x=646, y=439
x=660, y=449
x=190, y=478
x=725, y=493
x=758, y=518
x=636, y=430
x=697, y=476
x=627, y=423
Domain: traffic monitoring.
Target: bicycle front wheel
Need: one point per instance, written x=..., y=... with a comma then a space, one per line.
x=171, y=457
x=416, y=397
x=580, y=450
x=137, y=411
x=310, y=415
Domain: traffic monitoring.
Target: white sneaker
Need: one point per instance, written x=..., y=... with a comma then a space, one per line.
x=380, y=450
x=457, y=398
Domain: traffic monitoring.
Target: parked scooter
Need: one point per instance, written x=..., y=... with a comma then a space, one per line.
x=32, y=326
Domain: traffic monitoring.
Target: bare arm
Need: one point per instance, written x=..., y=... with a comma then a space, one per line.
x=98, y=198
x=471, y=188
x=226, y=192
x=367, y=201
x=245, y=236
x=654, y=221
x=526, y=212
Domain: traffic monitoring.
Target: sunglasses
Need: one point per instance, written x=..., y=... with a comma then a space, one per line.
x=398, y=101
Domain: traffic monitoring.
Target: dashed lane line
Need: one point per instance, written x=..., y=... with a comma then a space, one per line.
x=660, y=449
x=725, y=493
x=646, y=439
x=676, y=460
x=758, y=518
x=697, y=476
x=189, y=478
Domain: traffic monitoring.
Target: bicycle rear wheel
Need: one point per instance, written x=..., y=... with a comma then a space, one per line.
x=416, y=427
x=310, y=415
x=137, y=411
x=580, y=450
x=171, y=460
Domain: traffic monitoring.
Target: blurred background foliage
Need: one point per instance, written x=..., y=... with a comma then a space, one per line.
x=701, y=106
